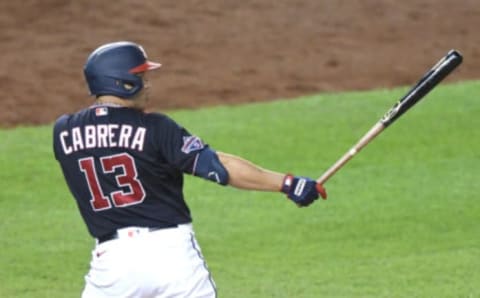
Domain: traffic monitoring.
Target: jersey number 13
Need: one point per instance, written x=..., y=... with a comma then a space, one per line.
x=125, y=177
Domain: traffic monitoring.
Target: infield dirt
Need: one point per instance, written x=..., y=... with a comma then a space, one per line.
x=228, y=52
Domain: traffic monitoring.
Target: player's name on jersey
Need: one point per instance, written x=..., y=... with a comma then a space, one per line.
x=102, y=136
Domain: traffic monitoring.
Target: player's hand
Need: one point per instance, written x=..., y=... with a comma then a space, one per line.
x=302, y=190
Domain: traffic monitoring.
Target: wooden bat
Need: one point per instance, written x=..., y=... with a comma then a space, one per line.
x=434, y=76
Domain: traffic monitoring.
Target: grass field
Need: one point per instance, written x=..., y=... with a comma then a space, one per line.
x=402, y=218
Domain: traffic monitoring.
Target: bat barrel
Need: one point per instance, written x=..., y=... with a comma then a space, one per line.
x=431, y=79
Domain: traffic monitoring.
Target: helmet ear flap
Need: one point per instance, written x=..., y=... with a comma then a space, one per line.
x=130, y=86
x=127, y=86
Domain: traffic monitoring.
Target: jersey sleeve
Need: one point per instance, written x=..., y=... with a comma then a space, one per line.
x=177, y=145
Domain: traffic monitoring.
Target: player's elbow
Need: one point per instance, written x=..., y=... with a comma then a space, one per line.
x=208, y=166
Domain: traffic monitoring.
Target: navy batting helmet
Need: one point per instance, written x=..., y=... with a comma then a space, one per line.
x=111, y=69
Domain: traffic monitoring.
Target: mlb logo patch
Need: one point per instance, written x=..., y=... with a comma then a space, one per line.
x=101, y=111
x=191, y=143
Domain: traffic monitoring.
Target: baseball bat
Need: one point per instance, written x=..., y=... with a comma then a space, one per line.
x=431, y=78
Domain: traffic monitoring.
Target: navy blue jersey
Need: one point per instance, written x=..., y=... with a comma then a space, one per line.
x=125, y=167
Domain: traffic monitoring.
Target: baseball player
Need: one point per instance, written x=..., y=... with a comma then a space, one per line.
x=125, y=168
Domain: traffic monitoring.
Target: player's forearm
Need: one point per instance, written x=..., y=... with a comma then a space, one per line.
x=246, y=175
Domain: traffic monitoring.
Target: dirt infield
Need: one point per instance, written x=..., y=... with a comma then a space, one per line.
x=226, y=51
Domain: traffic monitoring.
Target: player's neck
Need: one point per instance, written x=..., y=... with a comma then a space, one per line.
x=137, y=103
x=109, y=99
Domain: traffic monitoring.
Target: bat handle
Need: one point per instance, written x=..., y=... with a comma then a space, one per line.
x=335, y=167
x=370, y=135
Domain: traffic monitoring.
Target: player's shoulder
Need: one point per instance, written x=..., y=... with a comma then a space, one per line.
x=67, y=117
x=61, y=121
x=157, y=116
x=158, y=119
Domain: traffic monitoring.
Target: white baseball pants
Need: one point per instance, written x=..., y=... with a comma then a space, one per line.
x=143, y=263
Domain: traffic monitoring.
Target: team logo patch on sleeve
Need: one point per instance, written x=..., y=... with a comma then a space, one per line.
x=191, y=143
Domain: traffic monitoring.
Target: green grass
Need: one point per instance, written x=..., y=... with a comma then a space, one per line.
x=401, y=219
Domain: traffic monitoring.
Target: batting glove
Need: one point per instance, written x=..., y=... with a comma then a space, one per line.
x=302, y=190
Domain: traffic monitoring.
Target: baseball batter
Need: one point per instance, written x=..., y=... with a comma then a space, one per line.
x=125, y=168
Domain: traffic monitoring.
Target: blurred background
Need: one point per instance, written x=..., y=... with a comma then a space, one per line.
x=227, y=52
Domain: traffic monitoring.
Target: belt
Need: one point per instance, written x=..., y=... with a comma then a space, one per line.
x=134, y=231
